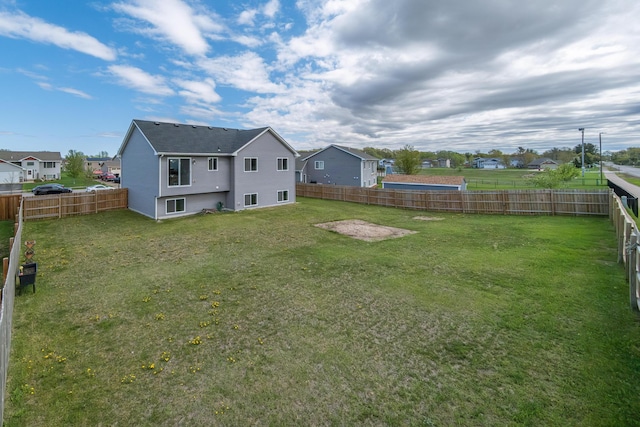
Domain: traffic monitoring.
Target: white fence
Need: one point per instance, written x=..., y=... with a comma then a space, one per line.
x=10, y=268
x=628, y=253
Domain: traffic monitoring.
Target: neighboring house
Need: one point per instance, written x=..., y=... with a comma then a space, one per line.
x=44, y=165
x=11, y=177
x=100, y=165
x=424, y=182
x=543, y=163
x=93, y=164
x=488, y=163
x=173, y=169
x=444, y=163
x=426, y=164
x=338, y=165
x=301, y=165
x=111, y=166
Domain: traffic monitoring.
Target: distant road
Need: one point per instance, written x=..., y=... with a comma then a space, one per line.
x=629, y=170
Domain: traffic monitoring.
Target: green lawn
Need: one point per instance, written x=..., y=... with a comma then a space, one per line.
x=67, y=181
x=511, y=179
x=261, y=318
x=6, y=232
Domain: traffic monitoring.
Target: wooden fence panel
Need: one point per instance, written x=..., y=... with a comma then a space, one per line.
x=9, y=205
x=80, y=203
x=504, y=202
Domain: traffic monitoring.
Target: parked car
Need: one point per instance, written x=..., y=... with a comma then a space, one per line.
x=98, y=187
x=108, y=177
x=116, y=180
x=50, y=189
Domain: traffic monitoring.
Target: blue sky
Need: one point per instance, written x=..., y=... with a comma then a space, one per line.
x=434, y=74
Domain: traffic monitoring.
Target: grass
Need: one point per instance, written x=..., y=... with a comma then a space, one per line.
x=66, y=180
x=511, y=179
x=6, y=233
x=260, y=318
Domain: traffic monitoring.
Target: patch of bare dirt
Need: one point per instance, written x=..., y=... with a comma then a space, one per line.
x=363, y=230
x=428, y=218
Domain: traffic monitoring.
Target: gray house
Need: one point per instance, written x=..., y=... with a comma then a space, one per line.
x=173, y=169
x=35, y=164
x=338, y=165
x=11, y=177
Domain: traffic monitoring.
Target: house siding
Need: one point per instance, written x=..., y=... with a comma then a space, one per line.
x=341, y=168
x=140, y=167
x=267, y=180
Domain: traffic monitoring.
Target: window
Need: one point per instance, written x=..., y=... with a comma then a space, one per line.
x=49, y=165
x=250, y=164
x=319, y=165
x=283, y=164
x=30, y=163
x=283, y=196
x=213, y=163
x=175, y=205
x=179, y=172
x=251, y=199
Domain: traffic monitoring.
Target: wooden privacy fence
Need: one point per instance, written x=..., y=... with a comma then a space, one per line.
x=9, y=204
x=70, y=204
x=505, y=202
x=10, y=269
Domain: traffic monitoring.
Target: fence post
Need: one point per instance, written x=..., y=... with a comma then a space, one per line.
x=5, y=269
x=632, y=270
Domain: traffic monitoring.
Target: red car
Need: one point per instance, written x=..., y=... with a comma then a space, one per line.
x=108, y=177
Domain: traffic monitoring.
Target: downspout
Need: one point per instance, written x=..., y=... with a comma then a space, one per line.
x=159, y=186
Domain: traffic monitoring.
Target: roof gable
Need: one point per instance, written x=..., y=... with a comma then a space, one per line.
x=352, y=151
x=17, y=156
x=176, y=138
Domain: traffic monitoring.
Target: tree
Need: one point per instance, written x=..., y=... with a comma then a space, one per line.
x=102, y=155
x=74, y=163
x=552, y=178
x=408, y=160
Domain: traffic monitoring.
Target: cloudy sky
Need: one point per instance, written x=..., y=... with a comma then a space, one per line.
x=435, y=74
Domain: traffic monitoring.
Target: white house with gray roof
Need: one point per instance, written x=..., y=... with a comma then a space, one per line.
x=44, y=165
x=338, y=165
x=173, y=169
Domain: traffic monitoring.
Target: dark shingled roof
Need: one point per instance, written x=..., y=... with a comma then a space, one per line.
x=193, y=139
x=13, y=156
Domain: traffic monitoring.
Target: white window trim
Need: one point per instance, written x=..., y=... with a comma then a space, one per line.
x=318, y=165
x=166, y=205
x=190, y=172
x=245, y=199
x=214, y=160
x=285, y=160
x=245, y=164
x=283, y=199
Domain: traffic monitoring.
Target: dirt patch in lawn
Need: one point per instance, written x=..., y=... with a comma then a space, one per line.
x=364, y=230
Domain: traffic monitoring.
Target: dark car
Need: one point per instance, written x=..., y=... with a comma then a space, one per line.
x=50, y=189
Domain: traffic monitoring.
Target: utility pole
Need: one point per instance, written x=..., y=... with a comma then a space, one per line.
x=582, y=130
x=600, y=137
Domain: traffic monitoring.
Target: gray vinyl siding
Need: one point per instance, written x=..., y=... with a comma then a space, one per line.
x=340, y=168
x=267, y=180
x=202, y=179
x=140, y=174
x=194, y=203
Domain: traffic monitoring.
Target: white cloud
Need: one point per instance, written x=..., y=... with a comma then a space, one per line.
x=174, y=21
x=247, y=17
x=271, y=8
x=247, y=72
x=199, y=92
x=21, y=25
x=140, y=80
x=75, y=92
